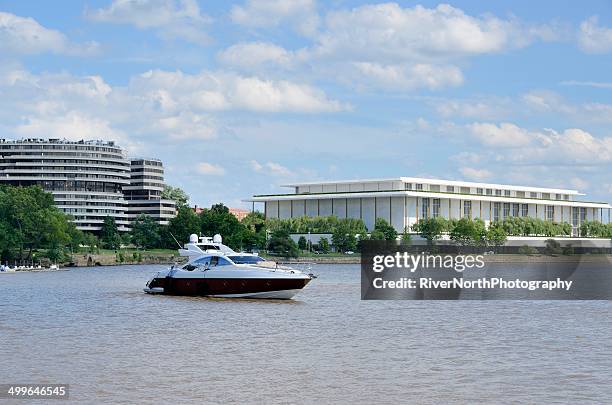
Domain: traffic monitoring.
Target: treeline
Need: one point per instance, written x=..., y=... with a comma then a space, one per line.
x=147, y=234
x=30, y=221
x=33, y=228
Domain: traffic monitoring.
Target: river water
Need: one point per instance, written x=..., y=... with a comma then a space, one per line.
x=94, y=329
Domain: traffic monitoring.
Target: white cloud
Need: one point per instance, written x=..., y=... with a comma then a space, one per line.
x=400, y=77
x=210, y=169
x=24, y=35
x=476, y=174
x=600, y=85
x=272, y=168
x=390, y=32
x=551, y=102
x=174, y=19
x=221, y=91
x=579, y=183
x=74, y=125
x=270, y=13
x=154, y=107
x=187, y=125
x=491, y=107
x=572, y=146
x=593, y=38
x=504, y=135
x=251, y=54
x=383, y=46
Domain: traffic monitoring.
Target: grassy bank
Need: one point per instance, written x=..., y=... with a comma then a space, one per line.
x=105, y=257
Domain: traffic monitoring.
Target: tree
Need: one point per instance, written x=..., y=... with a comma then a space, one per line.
x=281, y=244
x=344, y=238
x=406, y=238
x=430, y=229
x=302, y=244
x=185, y=223
x=91, y=241
x=145, y=232
x=254, y=236
x=218, y=220
x=29, y=220
x=467, y=232
x=553, y=247
x=177, y=195
x=383, y=226
x=109, y=234
x=377, y=234
x=324, y=245
x=255, y=221
x=496, y=235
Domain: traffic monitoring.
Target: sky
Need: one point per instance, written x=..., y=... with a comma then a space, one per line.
x=240, y=98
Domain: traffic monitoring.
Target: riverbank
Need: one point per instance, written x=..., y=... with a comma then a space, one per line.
x=111, y=258
x=121, y=257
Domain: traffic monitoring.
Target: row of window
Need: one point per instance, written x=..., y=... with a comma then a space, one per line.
x=43, y=162
x=484, y=191
x=103, y=156
x=500, y=210
x=59, y=147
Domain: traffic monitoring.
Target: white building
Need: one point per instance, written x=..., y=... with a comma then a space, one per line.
x=403, y=201
x=89, y=180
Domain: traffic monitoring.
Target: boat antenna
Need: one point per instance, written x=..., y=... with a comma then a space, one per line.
x=179, y=245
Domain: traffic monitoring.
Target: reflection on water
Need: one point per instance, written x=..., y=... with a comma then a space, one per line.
x=94, y=329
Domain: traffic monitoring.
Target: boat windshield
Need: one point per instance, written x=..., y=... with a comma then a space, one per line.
x=246, y=259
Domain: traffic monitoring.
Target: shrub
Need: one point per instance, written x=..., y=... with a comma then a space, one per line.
x=527, y=250
x=553, y=247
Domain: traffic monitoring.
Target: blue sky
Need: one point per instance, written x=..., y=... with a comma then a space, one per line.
x=238, y=98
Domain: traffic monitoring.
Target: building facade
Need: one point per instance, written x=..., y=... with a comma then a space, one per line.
x=87, y=178
x=403, y=201
x=144, y=193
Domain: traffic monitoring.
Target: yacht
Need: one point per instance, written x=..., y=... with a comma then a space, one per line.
x=215, y=270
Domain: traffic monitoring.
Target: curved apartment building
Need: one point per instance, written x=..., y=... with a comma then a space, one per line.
x=85, y=177
x=89, y=180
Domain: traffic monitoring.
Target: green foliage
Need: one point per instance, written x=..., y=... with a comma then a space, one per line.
x=91, y=242
x=527, y=250
x=302, y=244
x=218, y=220
x=324, y=245
x=406, y=238
x=255, y=221
x=377, y=234
x=315, y=224
x=281, y=244
x=596, y=229
x=145, y=232
x=185, y=223
x=344, y=238
x=177, y=195
x=528, y=226
x=385, y=228
x=30, y=220
x=431, y=229
x=109, y=235
x=496, y=235
x=553, y=247
x=467, y=232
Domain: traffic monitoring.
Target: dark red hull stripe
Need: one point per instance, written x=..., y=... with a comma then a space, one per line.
x=222, y=286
